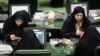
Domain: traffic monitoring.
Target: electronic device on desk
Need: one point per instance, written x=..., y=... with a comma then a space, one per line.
x=32, y=53
x=40, y=33
x=97, y=27
x=33, y=4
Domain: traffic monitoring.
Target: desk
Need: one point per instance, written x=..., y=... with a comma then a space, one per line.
x=54, y=31
x=56, y=25
x=59, y=51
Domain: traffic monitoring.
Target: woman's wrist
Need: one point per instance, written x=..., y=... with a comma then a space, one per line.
x=81, y=34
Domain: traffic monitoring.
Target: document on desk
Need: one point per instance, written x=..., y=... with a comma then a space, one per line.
x=53, y=42
x=96, y=18
x=5, y=49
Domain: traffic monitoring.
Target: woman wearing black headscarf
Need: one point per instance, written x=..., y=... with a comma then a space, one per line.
x=75, y=25
x=13, y=27
x=28, y=41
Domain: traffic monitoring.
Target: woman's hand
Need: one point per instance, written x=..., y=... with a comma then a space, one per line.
x=79, y=32
x=18, y=38
x=12, y=37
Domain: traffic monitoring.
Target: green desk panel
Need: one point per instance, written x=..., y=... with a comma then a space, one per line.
x=32, y=53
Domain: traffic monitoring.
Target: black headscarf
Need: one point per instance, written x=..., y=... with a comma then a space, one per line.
x=10, y=26
x=68, y=29
x=28, y=42
x=72, y=20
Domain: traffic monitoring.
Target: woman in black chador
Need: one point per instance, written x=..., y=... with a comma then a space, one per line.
x=13, y=27
x=13, y=32
x=29, y=41
x=88, y=43
x=75, y=25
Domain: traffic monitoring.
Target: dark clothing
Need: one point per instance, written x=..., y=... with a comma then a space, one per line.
x=10, y=27
x=88, y=43
x=69, y=30
x=29, y=41
x=18, y=31
x=69, y=26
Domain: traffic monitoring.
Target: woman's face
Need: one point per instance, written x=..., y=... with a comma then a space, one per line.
x=18, y=22
x=78, y=17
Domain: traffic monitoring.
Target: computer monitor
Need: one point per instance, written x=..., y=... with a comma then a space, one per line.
x=84, y=5
x=40, y=33
x=97, y=27
x=15, y=7
x=33, y=4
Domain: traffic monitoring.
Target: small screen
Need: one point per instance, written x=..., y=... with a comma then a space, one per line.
x=98, y=29
x=40, y=33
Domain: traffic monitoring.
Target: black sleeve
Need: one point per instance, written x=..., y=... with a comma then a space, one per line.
x=88, y=22
x=66, y=30
x=7, y=38
x=6, y=26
